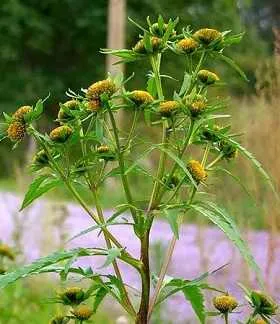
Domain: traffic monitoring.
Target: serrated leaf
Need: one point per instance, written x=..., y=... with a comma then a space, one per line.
x=226, y=223
x=112, y=254
x=38, y=187
x=172, y=218
x=99, y=296
x=42, y=263
x=194, y=295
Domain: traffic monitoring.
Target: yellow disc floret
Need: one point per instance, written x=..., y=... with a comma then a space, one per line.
x=197, y=107
x=6, y=251
x=260, y=321
x=21, y=112
x=207, y=77
x=140, y=97
x=101, y=87
x=82, y=312
x=207, y=35
x=197, y=171
x=61, y=134
x=94, y=105
x=16, y=131
x=103, y=149
x=187, y=45
x=225, y=303
x=167, y=108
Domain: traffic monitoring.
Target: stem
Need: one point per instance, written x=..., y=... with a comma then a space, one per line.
x=218, y=158
x=226, y=318
x=155, y=62
x=122, y=166
x=142, y=316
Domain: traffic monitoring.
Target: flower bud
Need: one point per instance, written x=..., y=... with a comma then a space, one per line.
x=207, y=35
x=105, y=153
x=187, y=45
x=6, y=251
x=141, y=49
x=16, y=131
x=70, y=105
x=225, y=303
x=140, y=97
x=21, y=112
x=61, y=134
x=197, y=171
x=197, y=107
x=101, y=87
x=263, y=304
x=207, y=77
x=168, y=108
x=59, y=320
x=72, y=296
x=82, y=312
x=159, y=32
x=172, y=182
x=41, y=158
x=229, y=150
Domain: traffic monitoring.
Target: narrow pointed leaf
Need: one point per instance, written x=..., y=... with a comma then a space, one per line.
x=194, y=295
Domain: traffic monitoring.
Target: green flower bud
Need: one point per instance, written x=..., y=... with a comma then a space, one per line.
x=156, y=31
x=140, y=46
x=229, y=150
x=59, y=320
x=41, y=158
x=72, y=296
x=263, y=304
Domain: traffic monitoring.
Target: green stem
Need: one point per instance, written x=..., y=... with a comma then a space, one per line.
x=155, y=62
x=122, y=166
x=226, y=318
x=218, y=158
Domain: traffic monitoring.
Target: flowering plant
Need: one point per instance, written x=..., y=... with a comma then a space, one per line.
x=88, y=123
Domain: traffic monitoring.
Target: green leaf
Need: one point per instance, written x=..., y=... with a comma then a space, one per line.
x=99, y=296
x=255, y=162
x=38, y=187
x=7, y=117
x=172, y=218
x=42, y=263
x=179, y=162
x=226, y=223
x=194, y=295
x=186, y=84
x=112, y=254
x=231, y=63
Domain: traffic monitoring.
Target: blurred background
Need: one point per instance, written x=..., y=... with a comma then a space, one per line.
x=49, y=46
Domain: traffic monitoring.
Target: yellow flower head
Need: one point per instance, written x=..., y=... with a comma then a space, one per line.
x=94, y=105
x=6, y=251
x=60, y=319
x=71, y=105
x=101, y=87
x=140, y=47
x=61, y=134
x=207, y=77
x=225, y=303
x=187, y=45
x=21, y=112
x=140, y=97
x=105, y=153
x=16, y=131
x=103, y=149
x=207, y=35
x=197, y=170
x=72, y=296
x=167, y=108
x=260, y=321
x=82, y=312
x=197, y=107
